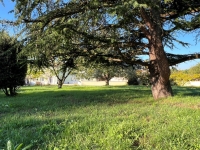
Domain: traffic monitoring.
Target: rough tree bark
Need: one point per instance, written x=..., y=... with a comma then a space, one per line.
x=159, y=66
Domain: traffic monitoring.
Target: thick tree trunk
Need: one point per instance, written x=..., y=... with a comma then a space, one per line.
x=160, y=90
x=159, y=66
x=160, y=87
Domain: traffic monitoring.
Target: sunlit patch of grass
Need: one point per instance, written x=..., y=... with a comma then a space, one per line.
x=113, y=117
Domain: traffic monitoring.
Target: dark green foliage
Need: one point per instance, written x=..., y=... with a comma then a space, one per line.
x=100, y=72
x=12, y=68
x=132, y=81
x=118, y=31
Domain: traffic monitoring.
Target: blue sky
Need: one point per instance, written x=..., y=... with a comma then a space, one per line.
x=194, y=47
x=8, y=6
x=190, y=38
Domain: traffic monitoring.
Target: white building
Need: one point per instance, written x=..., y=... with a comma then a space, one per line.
x=47, y=78
x=192, y=83
x=50, y=80
x=72, y=80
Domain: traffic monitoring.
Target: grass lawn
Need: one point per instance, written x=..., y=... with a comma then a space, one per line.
x=100, y=118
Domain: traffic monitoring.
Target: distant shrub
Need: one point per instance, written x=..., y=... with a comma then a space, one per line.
x=180, y=77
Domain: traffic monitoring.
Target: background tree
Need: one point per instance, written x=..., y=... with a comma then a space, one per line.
x=61, y=67
x=12, y=65
x=34, y=73
x=129, y=28
x=106, y=73
x=137, y=75
x=52, y=51
x=100, y=72
x=131, y=75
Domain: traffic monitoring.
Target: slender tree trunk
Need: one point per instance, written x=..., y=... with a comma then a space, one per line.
x=12, y=91
x=107, y=82
x=60, y=84
x=107, y=77
x=5, y=90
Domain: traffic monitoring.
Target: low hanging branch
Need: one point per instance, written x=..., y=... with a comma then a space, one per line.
x=177, y=59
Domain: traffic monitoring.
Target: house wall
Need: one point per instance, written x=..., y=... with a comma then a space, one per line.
x=51, y=80
x=192, y=83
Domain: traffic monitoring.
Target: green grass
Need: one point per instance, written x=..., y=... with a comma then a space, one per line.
x=100, y=118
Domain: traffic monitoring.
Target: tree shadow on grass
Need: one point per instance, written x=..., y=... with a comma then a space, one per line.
x=73, y=97
x=92, y=97
x=187, y=91
x=34, y=132
x=44, y=102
